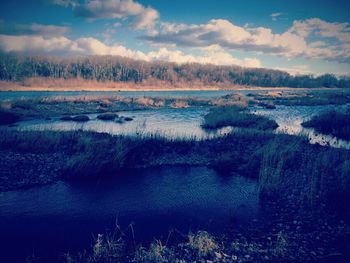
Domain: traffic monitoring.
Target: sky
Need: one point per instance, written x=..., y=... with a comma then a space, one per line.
x=298, y=36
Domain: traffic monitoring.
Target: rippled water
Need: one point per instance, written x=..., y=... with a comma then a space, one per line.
x=290, y=118
x=165, y=122
x=186, y=123
x=61, y=217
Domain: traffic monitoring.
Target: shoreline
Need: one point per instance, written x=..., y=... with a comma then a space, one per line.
x=127, y=87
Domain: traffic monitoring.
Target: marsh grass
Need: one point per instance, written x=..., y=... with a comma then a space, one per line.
x=334, y=97
x=236, y=116
x=333, y=122
x=287, y=168
x=284, y=165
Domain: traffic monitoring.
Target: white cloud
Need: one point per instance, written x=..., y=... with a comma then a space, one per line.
x=146, y=19
x=91, y=46
x=311, y=38
x=251, y=63
x=318, y=27
x=48, y=30
x=329, y=40
x=65, y=3
x=275, y=16
x=38, y=44
x=224, y=33
x=143, y=17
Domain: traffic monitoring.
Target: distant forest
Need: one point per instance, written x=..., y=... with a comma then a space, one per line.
x=120, y=69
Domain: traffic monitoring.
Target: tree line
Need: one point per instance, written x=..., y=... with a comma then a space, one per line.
x=120, y=69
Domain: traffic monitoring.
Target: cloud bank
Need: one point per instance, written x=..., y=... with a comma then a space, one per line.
x=91, y=46
x=310, y=38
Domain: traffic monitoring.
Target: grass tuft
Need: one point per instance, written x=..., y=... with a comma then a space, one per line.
x=236, y=116
x=332, y=122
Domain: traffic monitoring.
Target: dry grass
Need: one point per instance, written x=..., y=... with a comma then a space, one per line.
x=202, y=243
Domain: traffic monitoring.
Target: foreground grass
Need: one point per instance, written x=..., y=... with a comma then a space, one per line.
x=236, y=116
x=202, y=246
x=332, y=122
x=284, y=165
x=305, y=178
x=194, y=247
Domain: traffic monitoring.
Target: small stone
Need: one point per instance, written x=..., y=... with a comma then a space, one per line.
x=218, y=255
x=107, y=116
x=81, y=118
x=66, y=118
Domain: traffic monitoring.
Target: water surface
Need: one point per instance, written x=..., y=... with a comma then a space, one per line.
x=290, y=118
x=63, y=216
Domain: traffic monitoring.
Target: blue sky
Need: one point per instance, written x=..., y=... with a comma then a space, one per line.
x=306, y=37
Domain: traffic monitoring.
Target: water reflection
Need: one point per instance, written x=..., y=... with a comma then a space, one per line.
x=290, y=118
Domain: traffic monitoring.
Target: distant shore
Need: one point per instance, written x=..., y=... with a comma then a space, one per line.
x=78, y=85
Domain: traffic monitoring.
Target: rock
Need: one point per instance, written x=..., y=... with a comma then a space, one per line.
x=218, y=255
x=270, y=106
x=128, y=118
x=81, y=118
x=119, y=120
x=107, y=116
x=66, y=118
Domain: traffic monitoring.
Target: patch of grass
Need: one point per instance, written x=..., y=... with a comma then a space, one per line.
x=285, y=165
x=107, y=116
x=236, y=116
x=156, y=253
x=304, y=175
x=334, y=97
x=202, y=243
x=81, y=118
x=332, y=122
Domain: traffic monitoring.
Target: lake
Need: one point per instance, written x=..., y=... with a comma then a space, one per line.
x=63, y=216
